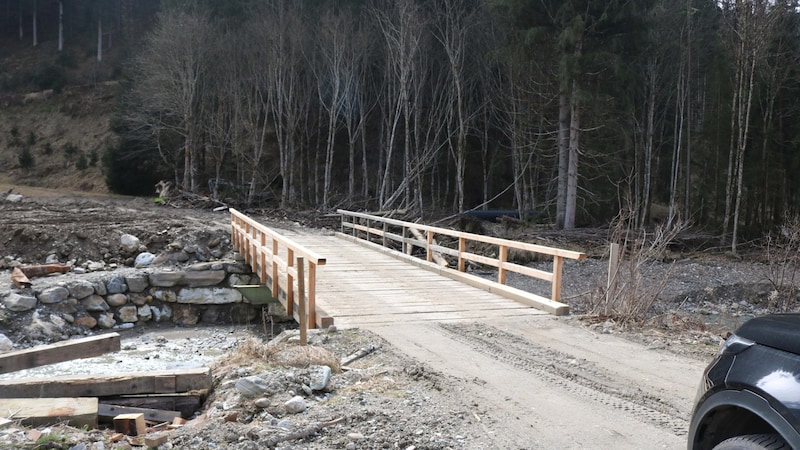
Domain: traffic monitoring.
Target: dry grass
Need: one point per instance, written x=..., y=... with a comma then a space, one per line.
x=630, y=295
x=285, y=355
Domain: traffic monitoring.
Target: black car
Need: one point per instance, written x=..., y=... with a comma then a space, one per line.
x=750, y=394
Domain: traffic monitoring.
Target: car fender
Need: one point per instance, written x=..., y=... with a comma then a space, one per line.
x=746, y=400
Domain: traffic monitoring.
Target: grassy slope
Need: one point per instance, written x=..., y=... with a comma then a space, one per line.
x=78, y=117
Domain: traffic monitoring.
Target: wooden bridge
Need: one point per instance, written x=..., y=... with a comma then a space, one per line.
x=381, y=270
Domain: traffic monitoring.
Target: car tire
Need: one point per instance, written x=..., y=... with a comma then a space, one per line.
x=754, y=442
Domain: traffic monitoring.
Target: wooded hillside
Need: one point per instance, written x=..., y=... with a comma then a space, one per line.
x=577, y=109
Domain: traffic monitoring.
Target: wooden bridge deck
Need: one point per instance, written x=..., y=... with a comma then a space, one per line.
x=359, y=286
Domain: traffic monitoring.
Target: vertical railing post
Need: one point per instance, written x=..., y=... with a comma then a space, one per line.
x=558, y=265
x=301, y=302
x=263, y=272
x=501, y=268
x=289, y=282
x=462, y=247
x=428, y=249
x=385, y=230
x=312, y=294
x=276, y=287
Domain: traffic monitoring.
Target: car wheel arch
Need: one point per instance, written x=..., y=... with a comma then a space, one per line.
x=727, y=414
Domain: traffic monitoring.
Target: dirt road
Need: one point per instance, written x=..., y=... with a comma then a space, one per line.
x=538, y=383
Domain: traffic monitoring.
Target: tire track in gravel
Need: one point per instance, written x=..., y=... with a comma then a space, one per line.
x=580, y=378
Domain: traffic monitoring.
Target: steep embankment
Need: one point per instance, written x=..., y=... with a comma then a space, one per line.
x=56, y=140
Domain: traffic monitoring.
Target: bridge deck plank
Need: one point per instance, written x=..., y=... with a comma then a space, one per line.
x=358, y=286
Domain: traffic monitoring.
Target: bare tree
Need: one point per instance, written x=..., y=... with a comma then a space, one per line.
x=169, y=74
x=402, y=26
x=749, y=27
x=456, y=20
x=334, y=81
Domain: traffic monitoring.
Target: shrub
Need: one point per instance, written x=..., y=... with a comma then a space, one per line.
x=132, y=170
x=47, y=149
x=93, y=158
x=82, y=163
x=629, y=295
x=51, y=77
x=31, y=138
x=66, y=59
x=783, y=264
x=70, y=149
x=25, y=158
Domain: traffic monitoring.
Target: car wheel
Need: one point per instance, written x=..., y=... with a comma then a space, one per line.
x=754, y=442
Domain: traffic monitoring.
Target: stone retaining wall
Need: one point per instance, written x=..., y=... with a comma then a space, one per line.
x=201, y=293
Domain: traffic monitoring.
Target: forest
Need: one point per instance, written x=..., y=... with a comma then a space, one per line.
x=569, y=111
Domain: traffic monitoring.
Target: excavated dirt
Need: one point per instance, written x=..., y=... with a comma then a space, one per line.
x=432, y=386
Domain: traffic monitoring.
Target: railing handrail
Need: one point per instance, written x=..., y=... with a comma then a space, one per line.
x=261, y=247
x=501, y=262
x=310, y=255
x=569, y=254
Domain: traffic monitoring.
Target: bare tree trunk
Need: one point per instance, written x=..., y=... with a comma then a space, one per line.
x=21, y=33
x=563, y=157
x=675, y=171
x=60, y=25
x=574, y=151
x=99, y=38
x=35, y=30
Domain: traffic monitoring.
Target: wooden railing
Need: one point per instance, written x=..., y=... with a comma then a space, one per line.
x=385, y=231
x=281, y=264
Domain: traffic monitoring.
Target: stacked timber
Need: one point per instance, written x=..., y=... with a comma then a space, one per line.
x=129, y=401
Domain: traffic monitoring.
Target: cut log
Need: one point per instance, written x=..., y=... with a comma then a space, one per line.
x=130, y=424
x=185, y=380
x=77, y=412
x=437, y=257
x=107, y=413
x=61, y=351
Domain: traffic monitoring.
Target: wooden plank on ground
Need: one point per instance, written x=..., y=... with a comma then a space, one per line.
x=107, y=413
x=187, y=404
x=61, y=351
x=185, y=380
x=78, y=412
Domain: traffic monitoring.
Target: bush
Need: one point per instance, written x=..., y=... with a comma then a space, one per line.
x=783, y=264
x=51, y=77
x=31, y=138
x=93, y=158
x=70, y=149
x=131, y=170
x=25, y=158
x=629, y=296
x=47, y=149
x=82, y=163
x=66, y=60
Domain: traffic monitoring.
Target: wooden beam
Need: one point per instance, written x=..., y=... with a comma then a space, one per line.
x=175, y=381
x=61, y=351
x=78, y=412
x=186, y=404
x=107, y=413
